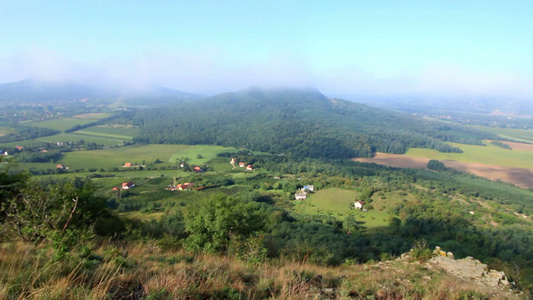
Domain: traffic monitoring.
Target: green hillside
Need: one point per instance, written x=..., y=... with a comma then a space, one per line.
x=297, y=122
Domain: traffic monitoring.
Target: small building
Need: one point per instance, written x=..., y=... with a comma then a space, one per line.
x=300, y=195
x=127, y=165
x=197, y=169
x=184, y=186
x=127, y=185
x=249, y=168
x=309, y=187
x=358, y=205
x=19, y=148
x=115, y=189
x=61, y=167
x=44, y=151
x=232, y=162
x=182, y=165
x=241, y=164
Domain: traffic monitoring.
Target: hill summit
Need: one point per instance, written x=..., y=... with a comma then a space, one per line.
x=301, y=122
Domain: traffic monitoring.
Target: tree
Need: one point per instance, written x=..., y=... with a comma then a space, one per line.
x=39, y=212
x=220, y=219
x=436, y=165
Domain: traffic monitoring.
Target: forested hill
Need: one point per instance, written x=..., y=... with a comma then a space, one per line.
x=296, y=122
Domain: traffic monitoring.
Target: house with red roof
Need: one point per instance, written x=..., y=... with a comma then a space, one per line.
x=127, y=185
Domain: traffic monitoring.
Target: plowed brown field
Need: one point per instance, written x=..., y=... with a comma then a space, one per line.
x=518, y=176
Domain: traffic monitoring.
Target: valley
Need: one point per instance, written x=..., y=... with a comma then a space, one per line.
x=164, y=176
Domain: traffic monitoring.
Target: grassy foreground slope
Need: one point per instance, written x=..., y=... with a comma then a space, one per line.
x=151, y=270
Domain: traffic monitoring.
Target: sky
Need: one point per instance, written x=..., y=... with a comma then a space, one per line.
x=462, y=47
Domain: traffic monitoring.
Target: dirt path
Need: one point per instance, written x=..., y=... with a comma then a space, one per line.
x=518, y=176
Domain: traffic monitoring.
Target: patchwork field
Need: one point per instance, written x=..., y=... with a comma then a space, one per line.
x=489, y=154
x=94, y=116
x=522, y=177
x=61, y=124
x=520, y=135
x=5, y=130
x=336, y=202
x=117, y=131
x=75, y=137
x=206, y=151
x=106, y=158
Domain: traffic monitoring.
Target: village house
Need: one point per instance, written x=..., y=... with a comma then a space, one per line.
x=241, y=164
x=115, y=189
x=127, y=185
x=249, y=168
x=300, y=195
x=61, y=167
x=310, y=188
x=184, y=186
x=19, y=148
x=358, y=205
x=127, y=165
x=232, y=162
x=197, y=169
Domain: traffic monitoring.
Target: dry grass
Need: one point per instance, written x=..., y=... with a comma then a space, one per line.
x=138, y=270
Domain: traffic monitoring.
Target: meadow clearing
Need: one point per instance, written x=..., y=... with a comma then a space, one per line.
x=336, y=202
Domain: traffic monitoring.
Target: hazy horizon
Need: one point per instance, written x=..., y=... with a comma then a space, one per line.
x=379, y=48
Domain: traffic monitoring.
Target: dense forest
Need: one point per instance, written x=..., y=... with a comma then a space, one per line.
x=298, y=122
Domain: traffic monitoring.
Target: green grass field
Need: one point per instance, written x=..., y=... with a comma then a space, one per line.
x=121, y=132
x=208, y=152
x=75, y=137
x=116, y=157
x=489, y=154
x=5, y=130
x=520, y=135
x=336, y=202
x=25, y=143
x=60, y=124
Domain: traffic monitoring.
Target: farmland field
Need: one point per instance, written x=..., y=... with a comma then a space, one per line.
x=521, y=135
x=61, y=124
x=207, y=152
x=75, y=137
x=489, y=154
x=336, y=202
x=25, y=143
x=116, y=157
x=522, y=177
x=5, y=130
x=94, y=116
x=122, y=132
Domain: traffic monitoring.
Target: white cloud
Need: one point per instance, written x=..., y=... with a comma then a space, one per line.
x=210, y=71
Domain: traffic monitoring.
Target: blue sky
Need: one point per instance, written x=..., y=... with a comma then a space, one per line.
x=346, y=47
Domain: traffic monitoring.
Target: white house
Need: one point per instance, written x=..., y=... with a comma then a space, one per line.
x=309, y=187
x=359, y=204
x=300, y=195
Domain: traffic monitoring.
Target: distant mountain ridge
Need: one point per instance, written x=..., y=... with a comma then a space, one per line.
x=34, y=91
x=299, y=122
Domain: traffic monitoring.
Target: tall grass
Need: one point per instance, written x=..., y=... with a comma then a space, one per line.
x=139, y=270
